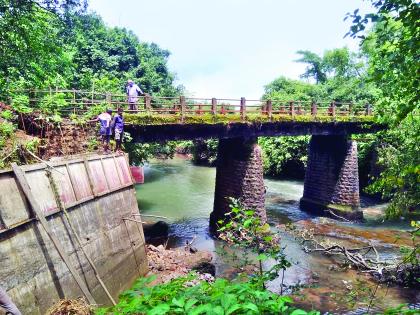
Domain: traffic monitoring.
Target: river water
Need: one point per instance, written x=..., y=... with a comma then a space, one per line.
x=183, y=193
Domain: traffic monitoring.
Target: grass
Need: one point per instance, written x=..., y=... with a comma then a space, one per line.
x=163, y=119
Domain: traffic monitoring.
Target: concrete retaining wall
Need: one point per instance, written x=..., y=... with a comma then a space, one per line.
x=98, y=193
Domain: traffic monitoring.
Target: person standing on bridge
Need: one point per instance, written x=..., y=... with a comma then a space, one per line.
x=118, y=126
x=133, y=92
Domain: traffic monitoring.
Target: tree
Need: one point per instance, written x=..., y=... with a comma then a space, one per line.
x=31, y=52
x=392, y=47
x=315, y=67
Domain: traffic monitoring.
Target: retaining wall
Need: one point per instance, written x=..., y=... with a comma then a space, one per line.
x=98, y=193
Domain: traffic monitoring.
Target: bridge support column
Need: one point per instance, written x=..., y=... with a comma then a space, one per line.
x=239, y=174
x=332, y=178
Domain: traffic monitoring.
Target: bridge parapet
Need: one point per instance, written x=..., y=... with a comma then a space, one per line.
x=149, y=109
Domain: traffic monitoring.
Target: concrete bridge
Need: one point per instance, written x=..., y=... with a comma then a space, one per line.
x=331, y=181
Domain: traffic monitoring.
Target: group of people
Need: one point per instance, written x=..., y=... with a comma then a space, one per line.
x=115, y=125
x=111, y=125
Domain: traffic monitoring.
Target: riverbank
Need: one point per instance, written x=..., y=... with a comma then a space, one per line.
x=183, y=193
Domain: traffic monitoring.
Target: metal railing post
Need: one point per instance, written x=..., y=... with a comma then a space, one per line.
x=182, y=102
x=314, y=109
x=368, y=109
x=333, y=109
x=147, y=102
x=292, y=109
x=108, y=99
x=74, y=97
x=270, y=109
x=214, y=106
x=243, y=108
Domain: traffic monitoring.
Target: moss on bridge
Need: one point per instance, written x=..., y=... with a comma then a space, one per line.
x=163, y=119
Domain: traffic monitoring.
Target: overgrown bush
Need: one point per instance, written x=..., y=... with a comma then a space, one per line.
x=222, y=297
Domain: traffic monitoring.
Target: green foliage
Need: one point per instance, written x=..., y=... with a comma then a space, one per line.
x=392, y=48
x=51, y=103
x=283, y=155
x=6, y=114
x=205, y=152
x=340, y=75
x=31, y=48
x=60, y=45
x=161, y=119
x=245, y=229
x=400, y=177
x=314, y=68
x=400, y=310
x=20, y=103
x=6, y=130
x=286, y=90
x=140, y=153
x=222, y=297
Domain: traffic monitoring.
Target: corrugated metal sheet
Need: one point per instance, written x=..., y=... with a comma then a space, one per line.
x=74, y=183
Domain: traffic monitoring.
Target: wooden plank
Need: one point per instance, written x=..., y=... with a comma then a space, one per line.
x=21, y=179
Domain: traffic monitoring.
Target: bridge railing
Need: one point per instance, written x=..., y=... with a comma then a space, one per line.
x=77, y=102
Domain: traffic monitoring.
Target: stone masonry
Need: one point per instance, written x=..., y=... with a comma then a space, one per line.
x=239, y=174
x=332, y=178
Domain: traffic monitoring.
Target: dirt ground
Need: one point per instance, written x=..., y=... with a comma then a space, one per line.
x=168, y=264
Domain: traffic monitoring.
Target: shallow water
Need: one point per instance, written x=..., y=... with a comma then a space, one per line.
x=183, y=193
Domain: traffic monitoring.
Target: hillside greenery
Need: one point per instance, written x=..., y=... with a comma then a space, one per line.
x=46, y=43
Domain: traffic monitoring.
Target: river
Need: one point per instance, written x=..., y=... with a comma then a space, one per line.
x=183, y=193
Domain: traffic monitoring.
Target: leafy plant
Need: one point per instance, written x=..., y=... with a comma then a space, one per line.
x=245, y=229
x=222, y=297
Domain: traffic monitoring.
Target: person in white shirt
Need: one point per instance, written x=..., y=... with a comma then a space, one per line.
x=133, y=92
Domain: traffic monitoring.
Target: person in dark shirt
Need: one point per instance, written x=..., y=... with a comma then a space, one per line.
x=118, y=126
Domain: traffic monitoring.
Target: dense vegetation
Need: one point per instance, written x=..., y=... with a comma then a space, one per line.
x=392, y=47
x=386, y=73
x=46, y=44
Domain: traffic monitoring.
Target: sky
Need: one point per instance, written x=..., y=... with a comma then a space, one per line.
x=233, y=48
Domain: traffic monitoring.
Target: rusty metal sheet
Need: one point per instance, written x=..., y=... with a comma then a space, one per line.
x=80, y=181
x=124, y=170
x=13, y=208
x=97, y=174
x=65, y=189
x=111, y=173
x=41, y=189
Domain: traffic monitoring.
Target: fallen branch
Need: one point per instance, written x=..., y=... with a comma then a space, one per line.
x=382, y=271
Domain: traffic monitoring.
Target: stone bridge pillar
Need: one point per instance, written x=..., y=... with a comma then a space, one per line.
x=332, y=178
x=239, y=174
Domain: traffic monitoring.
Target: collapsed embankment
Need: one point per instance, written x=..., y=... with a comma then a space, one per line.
x=98, y=195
